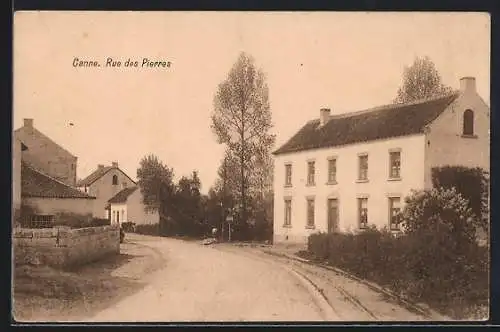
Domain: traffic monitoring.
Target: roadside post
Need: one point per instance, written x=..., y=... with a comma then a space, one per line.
x=229, y=220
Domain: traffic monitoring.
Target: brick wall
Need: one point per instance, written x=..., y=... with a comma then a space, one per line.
x=64, y=247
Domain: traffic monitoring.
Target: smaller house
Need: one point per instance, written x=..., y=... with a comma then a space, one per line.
x=104, y=183
x=48, y=196
x=127, y=206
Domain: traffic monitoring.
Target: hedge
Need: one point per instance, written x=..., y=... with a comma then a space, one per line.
x=450, y=283
x=148, y=229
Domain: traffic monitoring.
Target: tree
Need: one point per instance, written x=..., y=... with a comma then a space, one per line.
x=242, y=120
x=420, y=80
x=154, y=181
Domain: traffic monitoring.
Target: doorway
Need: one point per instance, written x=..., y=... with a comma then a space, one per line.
x=333, y=215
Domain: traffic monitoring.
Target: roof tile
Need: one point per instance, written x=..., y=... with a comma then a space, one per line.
x=377, y=123
x=37, y=184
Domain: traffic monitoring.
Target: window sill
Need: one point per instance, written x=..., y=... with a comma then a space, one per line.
x=287, y=226
x=288, y=186
x=469, y=136
x=311, y=185
x=310, y=227
x=394, y=179
x=331, y=183
x=361, y=180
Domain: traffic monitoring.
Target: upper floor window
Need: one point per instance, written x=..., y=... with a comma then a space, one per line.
x=363, y=167
x=310, y=173
x=288, y=175
x=115, y=179
x=395, y=164
x=468, y=119
x=332, y=170
x=124, y=185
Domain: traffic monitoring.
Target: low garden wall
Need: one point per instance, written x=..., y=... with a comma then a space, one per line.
x=64, y=247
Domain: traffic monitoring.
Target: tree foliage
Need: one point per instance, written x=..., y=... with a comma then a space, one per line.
x=421, y=80
x=155, y=181
x=241, y=121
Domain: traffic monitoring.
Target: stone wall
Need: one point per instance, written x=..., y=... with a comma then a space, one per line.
x=65, y=247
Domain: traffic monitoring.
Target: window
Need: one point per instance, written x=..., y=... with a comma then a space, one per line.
x=395, y=164
x=363, y=212
x=288, y=212
x=124, y=185
x=41, y=221
x=363, y=168
x=123, y=216
x=468, y=128
x=332, y=170
x=310, y=173
x=114, y=217
x=310, y=213
x=394, y=213
x=288, y=175
x=118, y=216
x=115, y=180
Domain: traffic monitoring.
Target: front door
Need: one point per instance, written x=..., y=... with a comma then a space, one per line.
x=333, y=215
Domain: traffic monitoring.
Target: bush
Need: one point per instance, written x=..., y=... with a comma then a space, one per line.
x=471, y=183
x=75, y=220
x=148, y=229
x=436, y=261
x=128, y=226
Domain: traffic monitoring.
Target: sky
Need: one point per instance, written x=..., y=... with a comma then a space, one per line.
x=344, y=61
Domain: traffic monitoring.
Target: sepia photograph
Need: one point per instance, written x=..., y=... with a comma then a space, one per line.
x=265, y=167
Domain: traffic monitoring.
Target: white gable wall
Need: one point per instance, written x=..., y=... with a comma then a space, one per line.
x=445, y=144
x=377, y=189
x=136, y=211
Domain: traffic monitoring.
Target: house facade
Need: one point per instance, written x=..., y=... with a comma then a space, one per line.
x=17, y=148
x=127, y=206
x=347, y=171
x=104, y=183
x=49, y=196
x=46, y=155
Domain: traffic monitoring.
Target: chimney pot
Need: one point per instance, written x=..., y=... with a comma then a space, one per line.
x=114, y=164
x=324, y=115
x=100, y=166
x=468, y=84
x=28, y=123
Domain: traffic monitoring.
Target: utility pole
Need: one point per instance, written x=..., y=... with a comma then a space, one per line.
x=223, y=205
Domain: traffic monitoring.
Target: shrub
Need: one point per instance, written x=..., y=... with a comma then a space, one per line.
x=148, y=229
x=128, y=226
x=471, y=183
x=436, y=261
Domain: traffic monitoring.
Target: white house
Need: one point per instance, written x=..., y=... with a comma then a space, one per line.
x=104, y=183
x=343, y=171
x=127, y=206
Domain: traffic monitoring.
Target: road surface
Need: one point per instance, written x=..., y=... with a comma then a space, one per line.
x=204, y=284
x=226, y=283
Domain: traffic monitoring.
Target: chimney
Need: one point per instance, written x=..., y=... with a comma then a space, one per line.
x=324, y=115
x=100, y=166
x=28, y=123
x=468, y=84
x=114, y=164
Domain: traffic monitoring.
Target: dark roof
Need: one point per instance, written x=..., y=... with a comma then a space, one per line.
x=376, y=123
x=121, y=196
x=37, y=184
x=94, y=176
x=97, y=174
